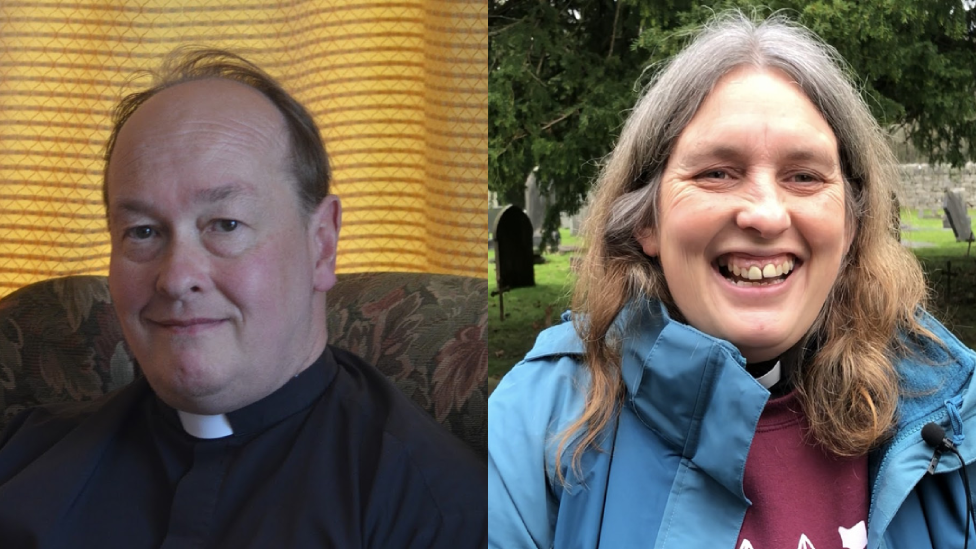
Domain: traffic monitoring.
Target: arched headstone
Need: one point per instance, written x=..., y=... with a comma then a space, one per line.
x=512, y=235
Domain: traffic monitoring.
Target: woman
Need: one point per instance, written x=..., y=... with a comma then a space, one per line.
x=749, y=363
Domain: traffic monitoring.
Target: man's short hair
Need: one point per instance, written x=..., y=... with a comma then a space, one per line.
x=309, y=161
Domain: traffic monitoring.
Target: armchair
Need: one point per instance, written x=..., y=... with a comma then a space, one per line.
x=60, y=340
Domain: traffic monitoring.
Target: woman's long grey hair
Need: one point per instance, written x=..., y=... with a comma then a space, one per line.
x=849, y=387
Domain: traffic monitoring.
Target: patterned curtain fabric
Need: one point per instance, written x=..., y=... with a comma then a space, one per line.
x=399, y=90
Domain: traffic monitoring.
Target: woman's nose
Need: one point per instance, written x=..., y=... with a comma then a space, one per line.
x=764, y=210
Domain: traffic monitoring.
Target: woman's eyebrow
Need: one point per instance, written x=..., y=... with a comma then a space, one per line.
x=710, y=153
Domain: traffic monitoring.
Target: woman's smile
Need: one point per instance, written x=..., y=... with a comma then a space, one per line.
x=748, y=272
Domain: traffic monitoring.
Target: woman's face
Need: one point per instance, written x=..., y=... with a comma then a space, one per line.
x=752, y=228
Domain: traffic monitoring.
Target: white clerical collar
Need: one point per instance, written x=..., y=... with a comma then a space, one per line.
x=205, y=426
x=771, y=377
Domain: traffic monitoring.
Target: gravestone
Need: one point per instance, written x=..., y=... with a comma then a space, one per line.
x=957, y=218
x=512, y=236
x=574, y=225
x=492, y=216
x=535, y=207
x=576, y=221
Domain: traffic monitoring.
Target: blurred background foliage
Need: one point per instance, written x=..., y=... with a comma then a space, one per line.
x=564, y=73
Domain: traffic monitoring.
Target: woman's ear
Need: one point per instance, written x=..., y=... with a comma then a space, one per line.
x=850, y=233
x=649, y=241
x=323, y=233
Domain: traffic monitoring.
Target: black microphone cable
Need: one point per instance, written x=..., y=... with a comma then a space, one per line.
x=934, y=436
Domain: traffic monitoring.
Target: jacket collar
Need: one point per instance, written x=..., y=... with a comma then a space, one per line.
x=682, y=384
x=685, y=385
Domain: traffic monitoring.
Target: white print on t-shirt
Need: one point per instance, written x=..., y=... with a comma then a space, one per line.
x=855, y=537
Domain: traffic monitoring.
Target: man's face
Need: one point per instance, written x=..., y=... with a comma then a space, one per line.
x=216, y=276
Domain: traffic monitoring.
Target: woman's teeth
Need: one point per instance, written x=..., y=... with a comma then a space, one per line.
x=744, y=274
x=769, y=270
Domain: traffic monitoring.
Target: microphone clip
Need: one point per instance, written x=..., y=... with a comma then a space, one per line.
x=935, y=436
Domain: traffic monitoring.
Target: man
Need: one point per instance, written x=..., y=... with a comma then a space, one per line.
x=247, y=430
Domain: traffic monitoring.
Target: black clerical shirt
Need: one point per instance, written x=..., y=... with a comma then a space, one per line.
x=337, y=457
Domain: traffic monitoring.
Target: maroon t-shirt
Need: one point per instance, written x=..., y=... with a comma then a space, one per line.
x=803, y=497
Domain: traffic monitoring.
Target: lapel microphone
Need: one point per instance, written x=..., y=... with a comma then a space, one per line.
x=935, y=436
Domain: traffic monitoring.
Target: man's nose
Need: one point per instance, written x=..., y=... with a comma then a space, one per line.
x=764, y=209
x=183, y=270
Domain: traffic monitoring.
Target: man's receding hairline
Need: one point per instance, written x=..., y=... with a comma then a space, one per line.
x=282, y=137
x=305, y=156
x=215, y=79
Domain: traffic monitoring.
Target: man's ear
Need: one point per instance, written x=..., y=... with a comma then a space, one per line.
x=649, y=241
x=323, y=235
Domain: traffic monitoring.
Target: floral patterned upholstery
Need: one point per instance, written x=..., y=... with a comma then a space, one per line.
x=60, y=340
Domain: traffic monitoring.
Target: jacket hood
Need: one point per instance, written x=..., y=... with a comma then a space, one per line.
x=935, y=386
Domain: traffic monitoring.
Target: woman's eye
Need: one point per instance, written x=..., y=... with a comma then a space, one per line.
x=714, y=174
x=141, y=232
x=804, y=178
x=226, y=225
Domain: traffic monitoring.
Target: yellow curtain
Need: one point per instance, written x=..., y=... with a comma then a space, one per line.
x=399, y=90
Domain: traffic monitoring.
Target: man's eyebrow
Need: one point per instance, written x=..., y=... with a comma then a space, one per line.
x=130, y=205
x=219, y=194
x=207, y=196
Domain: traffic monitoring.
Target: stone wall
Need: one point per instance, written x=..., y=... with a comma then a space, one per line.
x=923, y=185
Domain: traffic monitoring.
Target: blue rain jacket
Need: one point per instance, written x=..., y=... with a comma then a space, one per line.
x=670, y=472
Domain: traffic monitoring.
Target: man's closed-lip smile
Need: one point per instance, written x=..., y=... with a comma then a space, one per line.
x=188, y=325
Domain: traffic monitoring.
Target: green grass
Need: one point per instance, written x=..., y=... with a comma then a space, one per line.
x=929, y=230
x=950, y=272
x=530, y=310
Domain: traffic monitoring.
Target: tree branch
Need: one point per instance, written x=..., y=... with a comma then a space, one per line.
x=498, y=30
x=536, y=78
x=546, y=126
x=552, y=123
x=613, y=33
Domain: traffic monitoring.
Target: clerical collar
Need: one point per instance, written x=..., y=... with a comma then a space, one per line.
x=295, y=395
x=771, y=377
x=759, y=369
x=207, y=427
